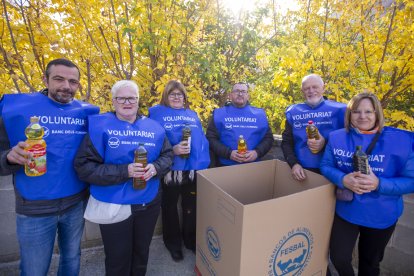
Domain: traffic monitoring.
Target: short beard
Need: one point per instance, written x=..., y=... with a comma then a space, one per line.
x=57, y=98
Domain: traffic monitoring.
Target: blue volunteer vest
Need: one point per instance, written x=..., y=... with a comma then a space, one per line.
x=65, y=127
x=173, y=121
x=327, y=116
x=386, y=160
x=116, y=141
x=231, y=122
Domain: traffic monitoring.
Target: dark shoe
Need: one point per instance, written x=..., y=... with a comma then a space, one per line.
x=192, y=248
x=177, y=255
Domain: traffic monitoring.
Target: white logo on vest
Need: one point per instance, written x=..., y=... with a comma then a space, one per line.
x=297, y=125
x=113, y=142
x=47, y=132
x=168, y=126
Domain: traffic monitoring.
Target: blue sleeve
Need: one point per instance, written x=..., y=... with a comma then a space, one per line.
x=329, y=169
x=403, y=184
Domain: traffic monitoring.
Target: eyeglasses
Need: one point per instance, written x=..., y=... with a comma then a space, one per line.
x=123, y=100
x=240, y=92
x=176, y=95
x=360, y=112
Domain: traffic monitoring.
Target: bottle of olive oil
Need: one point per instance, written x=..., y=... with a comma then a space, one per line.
x=140, y=156
x=187, y=138
x=241, y=145
x=360, y=161
x=312, y=132
x=37, y=147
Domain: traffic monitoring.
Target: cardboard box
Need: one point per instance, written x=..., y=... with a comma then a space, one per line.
x=254, y=219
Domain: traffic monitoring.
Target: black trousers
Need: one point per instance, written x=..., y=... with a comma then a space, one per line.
x=126, y=243
x=173, y=234
x=371, y=247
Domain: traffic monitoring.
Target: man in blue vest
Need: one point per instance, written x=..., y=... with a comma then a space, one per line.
x=53, y=202
x=299, y=151
x=233, y=120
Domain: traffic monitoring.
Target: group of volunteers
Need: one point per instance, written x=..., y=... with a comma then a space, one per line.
x=90, y=165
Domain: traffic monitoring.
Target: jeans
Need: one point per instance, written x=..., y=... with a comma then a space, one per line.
x=36, y=236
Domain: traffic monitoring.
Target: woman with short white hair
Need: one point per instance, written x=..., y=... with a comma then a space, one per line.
x=126, y=216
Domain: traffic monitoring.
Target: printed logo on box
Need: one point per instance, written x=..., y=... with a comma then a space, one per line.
x=292, y=253
x=213, y=243
x=206, y=262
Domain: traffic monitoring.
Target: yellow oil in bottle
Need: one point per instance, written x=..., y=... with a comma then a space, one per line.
x=312, y=132
x=37, y=147
x=241, y=145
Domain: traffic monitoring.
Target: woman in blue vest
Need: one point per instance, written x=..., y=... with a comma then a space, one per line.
x=373, y=202
x=106, y=160
x=173, y=114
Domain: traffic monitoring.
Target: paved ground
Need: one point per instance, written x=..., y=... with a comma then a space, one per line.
x=92, y=263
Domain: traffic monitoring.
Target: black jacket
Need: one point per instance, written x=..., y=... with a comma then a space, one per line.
x=288, y=145
x=218, y=149
x=91, y=168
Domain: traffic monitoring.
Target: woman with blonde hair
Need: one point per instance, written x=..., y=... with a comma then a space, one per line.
x=368, y=204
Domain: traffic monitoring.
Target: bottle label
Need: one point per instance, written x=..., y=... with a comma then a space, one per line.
x=37, y=164
x=189, y=143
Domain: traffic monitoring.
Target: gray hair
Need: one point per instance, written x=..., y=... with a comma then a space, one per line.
x=124, y=84
x=312, y=76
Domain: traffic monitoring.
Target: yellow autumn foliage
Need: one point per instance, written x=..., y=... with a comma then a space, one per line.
x=353, y=44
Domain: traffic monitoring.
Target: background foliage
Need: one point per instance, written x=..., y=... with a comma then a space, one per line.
x=353, y=44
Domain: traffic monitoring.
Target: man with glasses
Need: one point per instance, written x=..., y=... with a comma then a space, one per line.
x=326, y=116
x=55, y=201
x=228, y=123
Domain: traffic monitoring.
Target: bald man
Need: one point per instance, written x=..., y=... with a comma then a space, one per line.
x=326, y=115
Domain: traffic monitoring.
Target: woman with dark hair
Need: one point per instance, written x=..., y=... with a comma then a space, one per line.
x=126, y=215
x=189, y=155
x=368, y=205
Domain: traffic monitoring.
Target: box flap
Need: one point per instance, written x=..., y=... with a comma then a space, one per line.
x=246, y=183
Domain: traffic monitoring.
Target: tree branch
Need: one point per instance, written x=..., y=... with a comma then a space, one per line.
x=387, y=41
x=363, y=45
x=306, y=23
x=18, y=56
x=10, y=66
x=110, y=52
x=31, y=36
x=93, y=40
x=118, y=40
x=130, y=50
